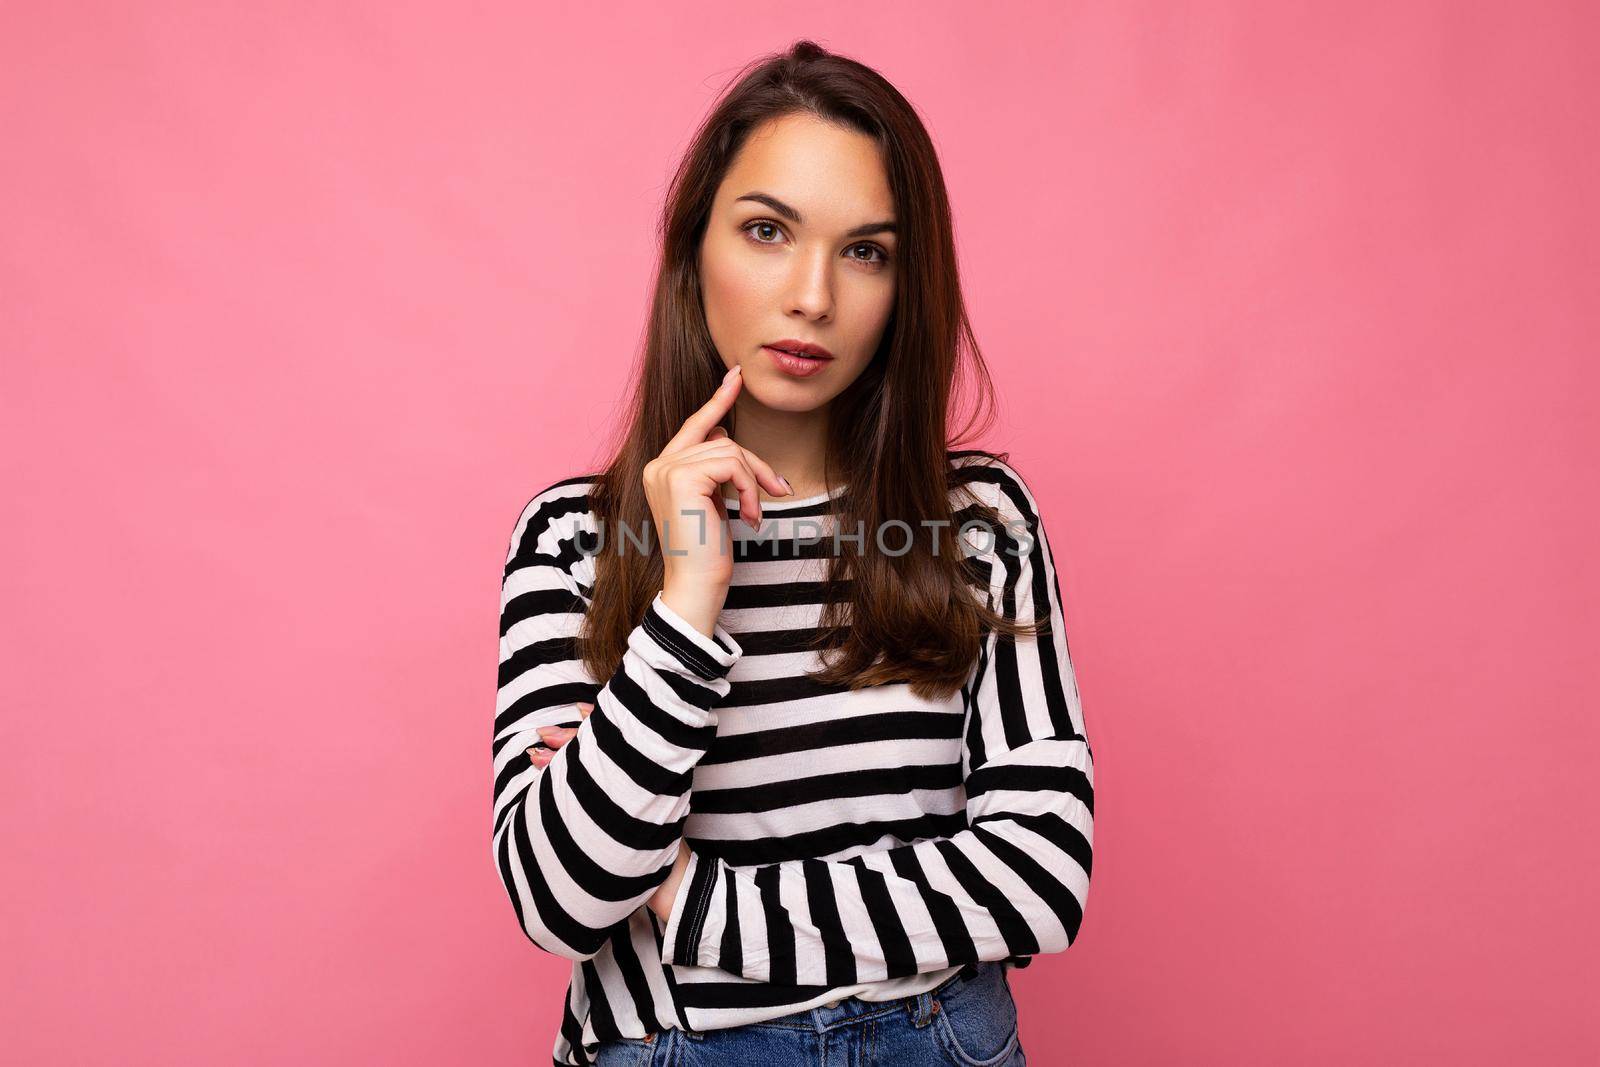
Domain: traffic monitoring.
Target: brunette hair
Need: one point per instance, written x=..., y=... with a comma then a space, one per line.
x=912, y=617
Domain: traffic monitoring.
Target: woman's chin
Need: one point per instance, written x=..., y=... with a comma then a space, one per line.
x=793, y=397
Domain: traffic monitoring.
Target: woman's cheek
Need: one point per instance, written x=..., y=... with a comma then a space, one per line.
x=730, y=291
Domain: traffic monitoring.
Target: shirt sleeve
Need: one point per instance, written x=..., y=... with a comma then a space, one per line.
x=584, y=842
x=1014, y=882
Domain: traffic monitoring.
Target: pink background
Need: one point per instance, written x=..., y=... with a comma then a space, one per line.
x=1293, y=312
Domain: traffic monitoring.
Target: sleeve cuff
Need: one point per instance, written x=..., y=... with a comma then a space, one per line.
x=680, y=941
x=708, y=657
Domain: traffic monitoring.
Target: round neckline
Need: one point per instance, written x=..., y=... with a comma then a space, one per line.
x=784, y=503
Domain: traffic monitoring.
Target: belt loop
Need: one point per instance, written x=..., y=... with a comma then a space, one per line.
x=921, y=1008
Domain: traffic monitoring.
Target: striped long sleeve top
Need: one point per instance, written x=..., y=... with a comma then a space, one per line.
x=843, y=842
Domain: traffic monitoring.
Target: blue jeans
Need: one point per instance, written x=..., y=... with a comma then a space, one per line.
x=966, y=1022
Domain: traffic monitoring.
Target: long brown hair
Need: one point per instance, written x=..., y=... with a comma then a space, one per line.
x=911, y=617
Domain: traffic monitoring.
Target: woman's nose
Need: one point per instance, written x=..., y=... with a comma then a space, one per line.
x=811, y=286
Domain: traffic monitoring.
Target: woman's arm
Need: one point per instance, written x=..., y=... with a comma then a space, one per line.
x=581, y=844
x=1015, y=882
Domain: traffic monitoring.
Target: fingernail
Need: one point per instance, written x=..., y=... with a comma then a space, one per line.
x=786, y=484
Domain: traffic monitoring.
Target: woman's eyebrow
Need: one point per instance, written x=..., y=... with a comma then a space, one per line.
x=794, y=216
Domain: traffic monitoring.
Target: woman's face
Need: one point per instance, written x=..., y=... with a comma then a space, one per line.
x=800, y=246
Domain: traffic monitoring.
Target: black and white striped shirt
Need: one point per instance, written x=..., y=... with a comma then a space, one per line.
x=845, y=843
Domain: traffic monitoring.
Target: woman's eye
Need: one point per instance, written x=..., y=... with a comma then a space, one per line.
x=759, y=225
x=755, y=231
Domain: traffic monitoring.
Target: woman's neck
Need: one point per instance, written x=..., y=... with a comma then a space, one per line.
x=793, y=443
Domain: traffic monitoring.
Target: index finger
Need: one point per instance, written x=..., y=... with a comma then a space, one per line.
x=696, y=426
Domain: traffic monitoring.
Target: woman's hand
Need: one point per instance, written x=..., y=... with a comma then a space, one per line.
x=684, y=488
x=553, y=737
x=556, y=736
x=667, y=892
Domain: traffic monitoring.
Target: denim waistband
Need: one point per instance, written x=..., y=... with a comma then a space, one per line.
x=854, y=1009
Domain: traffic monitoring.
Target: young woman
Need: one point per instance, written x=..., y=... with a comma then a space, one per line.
x=789, y=756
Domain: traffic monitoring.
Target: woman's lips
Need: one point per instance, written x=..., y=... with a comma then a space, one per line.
x=797, y=366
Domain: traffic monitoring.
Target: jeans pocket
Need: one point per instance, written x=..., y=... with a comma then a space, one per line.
x=625, y=1052
x=977, y=1048
x=977, y=1021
